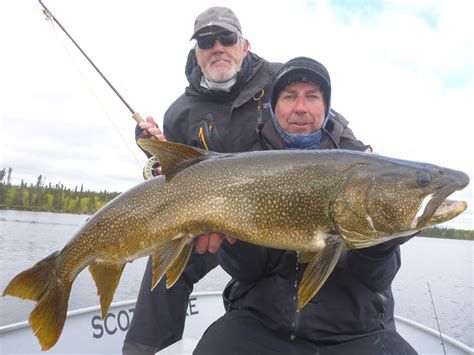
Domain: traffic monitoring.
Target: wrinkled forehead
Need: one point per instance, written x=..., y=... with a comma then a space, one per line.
x=302, y=86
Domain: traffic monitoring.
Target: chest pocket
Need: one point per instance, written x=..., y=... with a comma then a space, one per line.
x=205, y=134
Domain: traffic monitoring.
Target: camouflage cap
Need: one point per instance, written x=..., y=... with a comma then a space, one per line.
x=219, y=17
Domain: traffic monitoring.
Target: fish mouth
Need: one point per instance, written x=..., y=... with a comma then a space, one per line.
x=447, y=210
x=439, y=208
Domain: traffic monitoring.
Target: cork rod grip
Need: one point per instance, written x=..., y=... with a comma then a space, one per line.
x=137, y=117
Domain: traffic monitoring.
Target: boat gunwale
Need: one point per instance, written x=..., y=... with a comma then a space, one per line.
x=77, y=312
x=443, y=337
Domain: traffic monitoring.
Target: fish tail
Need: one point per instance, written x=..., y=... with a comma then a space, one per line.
x=39, y=283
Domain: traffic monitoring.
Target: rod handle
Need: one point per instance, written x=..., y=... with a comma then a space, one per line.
x=137, y=117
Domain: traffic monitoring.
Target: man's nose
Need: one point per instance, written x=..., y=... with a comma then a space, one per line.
x=300, y=105
x=218, y=47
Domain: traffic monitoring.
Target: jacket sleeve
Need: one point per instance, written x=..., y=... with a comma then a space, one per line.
x=159, y=315
x=243, y=261
x=377, y=266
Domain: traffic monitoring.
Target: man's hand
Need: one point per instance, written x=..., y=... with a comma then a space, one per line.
x=151, y=129
x=211, y=242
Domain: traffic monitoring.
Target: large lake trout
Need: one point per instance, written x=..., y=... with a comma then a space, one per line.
x=315, y=202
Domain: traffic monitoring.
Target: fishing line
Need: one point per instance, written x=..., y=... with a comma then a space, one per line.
x=96, y=97
x=49, y=16
x=436, y=317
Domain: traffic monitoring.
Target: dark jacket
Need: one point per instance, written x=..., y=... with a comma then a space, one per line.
x=356, y=300
x=223, y=122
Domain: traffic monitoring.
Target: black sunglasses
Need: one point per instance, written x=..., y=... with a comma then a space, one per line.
x=226, y=39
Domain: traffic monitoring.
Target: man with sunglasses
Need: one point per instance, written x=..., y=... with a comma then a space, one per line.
x=227, y=98
x=228, y=91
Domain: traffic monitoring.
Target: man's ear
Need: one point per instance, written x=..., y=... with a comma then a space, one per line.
x=246, y=46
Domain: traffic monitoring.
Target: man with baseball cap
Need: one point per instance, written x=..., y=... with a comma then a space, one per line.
x=227, y=98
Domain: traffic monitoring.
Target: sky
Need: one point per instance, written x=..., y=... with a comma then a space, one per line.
x=401, y=73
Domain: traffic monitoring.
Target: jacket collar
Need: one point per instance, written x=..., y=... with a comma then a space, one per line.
x=270, y=139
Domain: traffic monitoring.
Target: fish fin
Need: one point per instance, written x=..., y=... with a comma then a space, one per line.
x=39, y=283
x=106, y=277
x=319, y=269
x=175, y=270
x=165, y=256
x=305, y=257
x=172, y=154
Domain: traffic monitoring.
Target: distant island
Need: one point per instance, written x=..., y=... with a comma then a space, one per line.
x=48, y=197
x=57, y=198
x=447, y=233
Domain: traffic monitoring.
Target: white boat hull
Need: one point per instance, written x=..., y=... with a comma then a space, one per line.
x=85, y=333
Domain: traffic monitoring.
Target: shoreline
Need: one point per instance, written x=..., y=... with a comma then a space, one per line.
x=434, y=232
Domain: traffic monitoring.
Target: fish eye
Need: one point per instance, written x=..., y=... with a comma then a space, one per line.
x=424, y=179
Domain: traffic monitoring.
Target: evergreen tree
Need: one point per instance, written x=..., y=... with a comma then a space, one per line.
x=3, y=193
x=9, y=176
x=39, y=182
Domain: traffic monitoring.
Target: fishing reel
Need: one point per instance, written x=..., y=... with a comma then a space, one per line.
x=152, y=168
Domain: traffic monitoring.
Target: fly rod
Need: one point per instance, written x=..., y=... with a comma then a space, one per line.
x=136, y=116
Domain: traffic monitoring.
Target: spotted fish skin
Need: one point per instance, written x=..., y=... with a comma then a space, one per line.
x=314, y=202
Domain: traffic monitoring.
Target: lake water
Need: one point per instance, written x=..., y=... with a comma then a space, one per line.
x=447, y=265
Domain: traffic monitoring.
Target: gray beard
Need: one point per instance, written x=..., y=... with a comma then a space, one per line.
x=225, y=86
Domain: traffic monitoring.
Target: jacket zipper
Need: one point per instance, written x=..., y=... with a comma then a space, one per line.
x=202, y=138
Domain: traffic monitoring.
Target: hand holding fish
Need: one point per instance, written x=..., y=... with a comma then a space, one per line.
x=211, y=242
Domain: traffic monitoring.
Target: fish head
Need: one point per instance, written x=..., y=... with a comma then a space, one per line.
x=385, y=198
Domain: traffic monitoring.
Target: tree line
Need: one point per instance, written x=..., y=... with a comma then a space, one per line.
x=448, y=233
x=48, y=197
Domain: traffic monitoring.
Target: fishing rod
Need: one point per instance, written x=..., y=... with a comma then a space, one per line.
x=153, y=167
x=136, y=116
